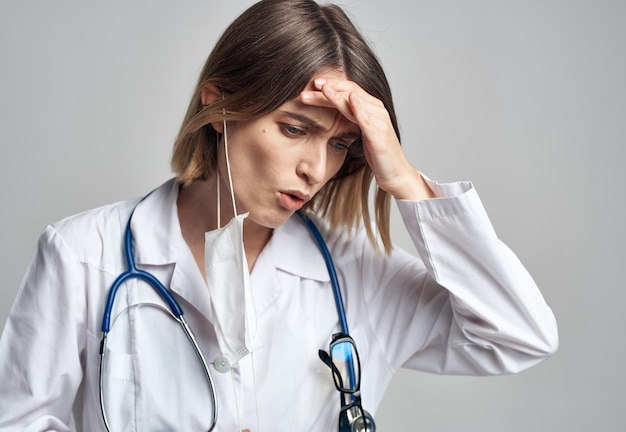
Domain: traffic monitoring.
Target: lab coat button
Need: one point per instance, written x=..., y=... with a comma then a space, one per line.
x=221, y=364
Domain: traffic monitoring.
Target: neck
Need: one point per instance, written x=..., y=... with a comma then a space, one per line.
x=255, y=237
x=197, y=213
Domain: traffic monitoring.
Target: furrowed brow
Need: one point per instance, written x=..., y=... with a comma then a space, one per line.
x=304, y=120
x=316, y=127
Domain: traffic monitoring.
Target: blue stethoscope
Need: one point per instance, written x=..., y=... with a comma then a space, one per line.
x=132, y=272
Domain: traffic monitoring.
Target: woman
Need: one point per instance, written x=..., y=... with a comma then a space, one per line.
x=292, y=112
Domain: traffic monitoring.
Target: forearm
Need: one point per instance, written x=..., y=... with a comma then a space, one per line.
x=494, y=301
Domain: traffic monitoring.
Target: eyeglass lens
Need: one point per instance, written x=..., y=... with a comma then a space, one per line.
x=346, y=361
x=345, y=365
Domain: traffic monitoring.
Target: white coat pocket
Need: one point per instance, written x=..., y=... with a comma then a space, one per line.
x=119, y=386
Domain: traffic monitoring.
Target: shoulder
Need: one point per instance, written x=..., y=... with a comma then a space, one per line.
x=95, y=236
x=89, y=234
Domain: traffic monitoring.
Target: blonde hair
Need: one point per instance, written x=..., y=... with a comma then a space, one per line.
x=265, y=58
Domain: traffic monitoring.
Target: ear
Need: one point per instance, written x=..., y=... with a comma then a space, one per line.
x=209, y=93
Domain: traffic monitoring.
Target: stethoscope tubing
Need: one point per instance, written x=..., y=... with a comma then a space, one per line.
x=334, y=282
x=330, y=266
x=133, y=272
x=175, y=311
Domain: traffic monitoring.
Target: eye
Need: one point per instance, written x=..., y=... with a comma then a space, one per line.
x=291, y=130
x=339, y=146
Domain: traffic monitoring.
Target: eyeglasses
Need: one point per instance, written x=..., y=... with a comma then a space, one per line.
x=344, y=363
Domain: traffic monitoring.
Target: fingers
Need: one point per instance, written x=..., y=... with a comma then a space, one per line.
x=347, y=97
x=318, y=97
x=338, y=98
x=333, y=93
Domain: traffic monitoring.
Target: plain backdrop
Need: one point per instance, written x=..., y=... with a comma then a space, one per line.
x=525, y=98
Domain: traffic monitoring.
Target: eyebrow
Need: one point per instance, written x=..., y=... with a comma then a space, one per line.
x=316, y=127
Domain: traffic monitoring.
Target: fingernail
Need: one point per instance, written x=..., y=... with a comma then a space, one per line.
x=307, y=95
x=320, y=82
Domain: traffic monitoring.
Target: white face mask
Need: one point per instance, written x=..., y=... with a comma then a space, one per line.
x=228, y=280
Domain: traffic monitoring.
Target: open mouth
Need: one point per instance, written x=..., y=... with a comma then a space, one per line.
x=291, y=201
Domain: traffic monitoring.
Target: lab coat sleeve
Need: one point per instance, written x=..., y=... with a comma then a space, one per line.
x=40, y=349
x=467, y=306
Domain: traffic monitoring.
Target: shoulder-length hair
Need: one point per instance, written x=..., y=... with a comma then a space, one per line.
x=265, y=58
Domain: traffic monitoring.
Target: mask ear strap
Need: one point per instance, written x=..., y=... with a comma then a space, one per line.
x=219, y=207
x=230, y=177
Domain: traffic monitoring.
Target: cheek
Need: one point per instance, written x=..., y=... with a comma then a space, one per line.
x=245, y=147
x=262, y=150
x=259, y=154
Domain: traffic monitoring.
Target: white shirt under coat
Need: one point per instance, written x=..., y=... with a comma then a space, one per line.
x=465, y=305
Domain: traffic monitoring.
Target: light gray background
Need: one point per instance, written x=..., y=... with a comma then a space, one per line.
x=525, y=98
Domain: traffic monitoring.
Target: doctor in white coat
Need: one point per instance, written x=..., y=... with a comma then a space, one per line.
x=291, y=112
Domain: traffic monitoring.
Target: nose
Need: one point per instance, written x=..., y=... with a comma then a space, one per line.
x=312, y=165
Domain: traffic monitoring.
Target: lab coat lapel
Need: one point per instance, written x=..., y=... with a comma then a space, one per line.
x=295, y=251
x=290, y=256
x=158, y=241
x=189, y=283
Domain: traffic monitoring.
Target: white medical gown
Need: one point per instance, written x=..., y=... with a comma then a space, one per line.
x=465, y=305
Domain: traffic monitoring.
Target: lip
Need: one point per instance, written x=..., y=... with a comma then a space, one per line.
x=298, y=194
x=293, y=200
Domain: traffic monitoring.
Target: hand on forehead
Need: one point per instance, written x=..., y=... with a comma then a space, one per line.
x=319, y=112
x=332, y=89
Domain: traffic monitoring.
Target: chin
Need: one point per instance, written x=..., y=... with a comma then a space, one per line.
x=270, y=220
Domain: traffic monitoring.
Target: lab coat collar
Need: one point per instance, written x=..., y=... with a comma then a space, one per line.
x=157, y=237
x=155, y=226
x=294, y=251
x=158, y=240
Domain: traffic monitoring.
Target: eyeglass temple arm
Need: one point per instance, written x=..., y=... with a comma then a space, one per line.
x=325, y=357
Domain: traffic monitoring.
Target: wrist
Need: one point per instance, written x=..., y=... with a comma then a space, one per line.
x=412, y=187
